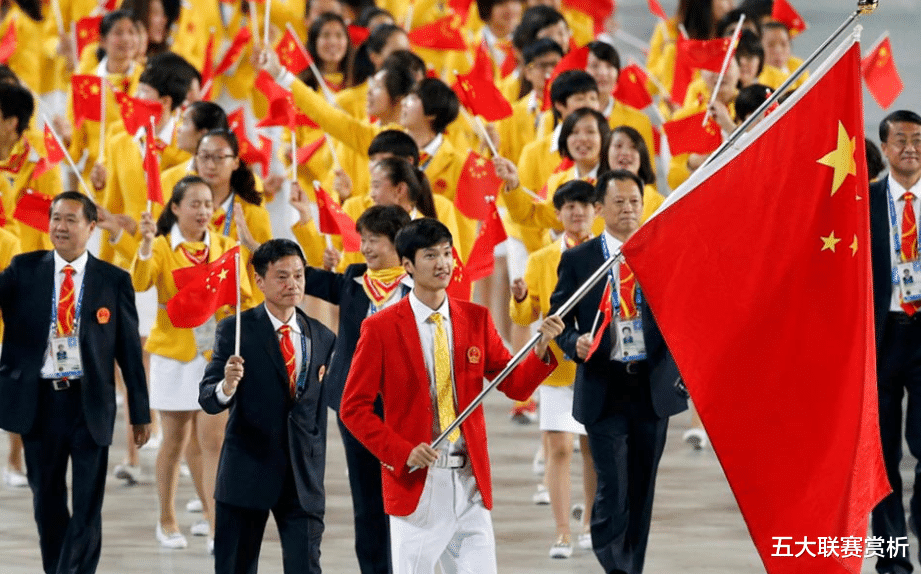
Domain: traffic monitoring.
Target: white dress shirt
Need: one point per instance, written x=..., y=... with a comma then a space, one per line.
x=79, y=265
x=896, y=191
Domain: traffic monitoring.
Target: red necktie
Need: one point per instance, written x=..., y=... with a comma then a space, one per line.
x=627, y=292
x=909, y=245
x=66, y=303
x=287, y=353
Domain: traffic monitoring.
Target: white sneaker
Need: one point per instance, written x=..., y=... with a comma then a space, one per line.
x=585, y=541
x=538, y=466
x=201, y=528
x=211, y=546
x=194, y=505
x=184, y=470
x=173, y=540
x=14, y=478
x=541, y=497
x=128, y=472
x=696, y=437
x=577, y=510
x=562, y=548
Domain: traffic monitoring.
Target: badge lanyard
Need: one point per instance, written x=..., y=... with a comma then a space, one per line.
x=302, y=376
x=896, y=238
x=615, y=299
x=229, y=215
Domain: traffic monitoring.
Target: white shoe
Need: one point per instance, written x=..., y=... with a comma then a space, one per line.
x=585, y=541
x=173, y=540
x=538, y=466
x=562, y=548
x=578, y=509
x=154, y=442
x=696, y=437
x=201, y=528
x=14, y=478
x=541, y=497
x=194, y=505
x=128, y=472
x=211, y=546
x=184, y=470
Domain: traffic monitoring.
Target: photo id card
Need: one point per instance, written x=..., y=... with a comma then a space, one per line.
x=909, y=277
x=628, y=334
x=204, y=336
x=65, y=357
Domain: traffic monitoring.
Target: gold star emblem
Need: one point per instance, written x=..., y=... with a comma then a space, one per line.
x=841, y=159
x=830, y=242
x=222, y=275
x=854, y=246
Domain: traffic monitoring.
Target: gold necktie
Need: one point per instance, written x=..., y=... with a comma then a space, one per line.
x=443, y=392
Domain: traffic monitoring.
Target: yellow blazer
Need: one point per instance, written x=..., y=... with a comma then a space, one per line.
x=9, y=248
x=354, y=100
x=166, y=340
x=518, y=130
x=125, y=191
x=537, y=163
x=27, y=59
x=540, y=277
x=16, y=177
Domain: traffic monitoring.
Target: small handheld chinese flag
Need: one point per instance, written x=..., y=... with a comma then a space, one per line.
x=8, y=43
x=152, y=165
x=460, y=286
x=334, y=221
x=576, y=59
x=32, y=209
x=306, y=152
x=54, y=153
x=358, y=34
x=442, y=34
x=87, y=98
x=656, y=9
x=233, y=53
x=631, y=87
x=693, y=55
x=687, y=135
x=784, y=13
x=477, y=182
x=207, y=69
x=203, y=289
x=477, y=90
x=291, y=53
x=605, y=310
x=87, y=30
x=880, y=74
x=136, y=112
x=482, y=260
x=282, y=111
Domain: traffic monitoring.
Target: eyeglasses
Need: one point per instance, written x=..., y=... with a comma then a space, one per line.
x=214, y=158
x=901, y=144
x=543, y=66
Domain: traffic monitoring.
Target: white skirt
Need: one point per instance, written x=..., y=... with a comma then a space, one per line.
x=174, y=384
x=556, y=410
x=146, y=303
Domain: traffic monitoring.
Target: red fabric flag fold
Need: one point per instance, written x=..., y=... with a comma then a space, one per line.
x=358, y=34
x=334, y=221
x=306, y=152
x=442, y=34
x=54, y=153
x=207, y=69
x=688, y=135
x=8, y=42
x=606, y=310
x=135, y=112
x=784, y=13
x=460, y=285
x=477, y=90
x=693, y=55
x=86, y=91
x=576, y=59
x=282, y=111
x=880, y=74
x=656, y=8
x=87, y=31
x=203, y=289
x=631, y=87
x=597, y=10
x=785, y=353
x=482, y=260
x=292, y=54
x=233, y=52
x=152, y=166
x=32, y=209
x=477, y=182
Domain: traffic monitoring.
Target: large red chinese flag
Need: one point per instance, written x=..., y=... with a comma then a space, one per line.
x=282, y=111
x=8, y=42
x=631, y=87
x=442, y=34
x=477, y=90
x=203, y=289
x=690, y=135
x=337, y=222
x=476, y=186
x=87, y=98
x=693, y=55
x=880, y=74
x=784, y=13
x=291, y=53
x=482, y=260
x=779, y=355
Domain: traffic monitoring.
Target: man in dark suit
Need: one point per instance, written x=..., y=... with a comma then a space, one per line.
x=274, y=453
x=364, y=289
x=63, y=402
x=894, y=208
x=624, y=405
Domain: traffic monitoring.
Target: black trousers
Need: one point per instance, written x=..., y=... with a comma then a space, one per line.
x=70, y=540
x=372, y=526
x=239, y=531
x=898, y=366
x=626, y=445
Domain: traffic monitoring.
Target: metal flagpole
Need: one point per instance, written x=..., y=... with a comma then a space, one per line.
x=520, y=355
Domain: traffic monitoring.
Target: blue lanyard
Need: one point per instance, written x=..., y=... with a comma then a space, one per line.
x=896, y=239
x=615, y=298
x=54, y=309
x=229, y=215
x=302, y=375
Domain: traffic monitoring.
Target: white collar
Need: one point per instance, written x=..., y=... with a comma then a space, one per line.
x=897, y=191
x=226, y=204
x=432, y=147
x=79, y=264
x=175, y=237
x=555, y=137
x=165, y=134
x=606, y=112
x=533, y=104
x=422, y=312
x=277, y=323
x=103, y=73
x=591, y=174
x=612, y=242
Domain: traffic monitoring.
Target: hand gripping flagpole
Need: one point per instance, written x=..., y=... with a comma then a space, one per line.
x=563, y=309
x=864, y=7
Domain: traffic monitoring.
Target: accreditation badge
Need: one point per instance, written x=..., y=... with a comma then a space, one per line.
x=204, y=336
x=65, y=357
x=629, y=345
x=909, y=279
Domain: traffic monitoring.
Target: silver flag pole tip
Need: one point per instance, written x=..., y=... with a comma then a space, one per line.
x=867, y=6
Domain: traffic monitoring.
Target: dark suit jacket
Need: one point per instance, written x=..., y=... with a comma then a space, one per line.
x=881, y=260
x=267, y=430
x=26, y=288
x=595, y=379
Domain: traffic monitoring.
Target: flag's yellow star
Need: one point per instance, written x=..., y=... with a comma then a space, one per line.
x=841, y=159
x=854, y=246
x=830, y=242
x=222, y=275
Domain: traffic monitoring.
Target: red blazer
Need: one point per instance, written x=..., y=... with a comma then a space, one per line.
x=388, y=362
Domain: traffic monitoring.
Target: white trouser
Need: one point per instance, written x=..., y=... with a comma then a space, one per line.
x=450, y=527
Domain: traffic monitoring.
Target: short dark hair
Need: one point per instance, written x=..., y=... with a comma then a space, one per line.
x=577, y=190
x=535, y=19
x=242, y=180
x=896, y=116
x=16, y=101
x=601, y=188
x=750, y=99
x=750, y=45
x=407, y=60
x=165, y=74
x=398, y=171
x=8, y=76
x=540, y=47
x=383, y=220
x=485, y=7
x=167, y=217
x=571, y=83
x=397, y=142
x=605, y=52
x=208, y=116
x=875, y=164
x=89, y=208
x=107, y=23
x=273, y=250
x=569, y=125
x=774, y=25
x=732, y=17
x=420, y=234
x=438, y=100
x=646, y=173
x=398, y=81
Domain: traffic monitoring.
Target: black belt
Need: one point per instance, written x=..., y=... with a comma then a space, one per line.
x=63, y=384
